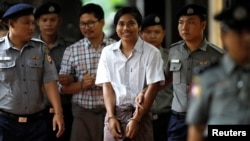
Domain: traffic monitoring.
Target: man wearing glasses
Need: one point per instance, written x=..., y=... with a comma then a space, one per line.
x=81, y=59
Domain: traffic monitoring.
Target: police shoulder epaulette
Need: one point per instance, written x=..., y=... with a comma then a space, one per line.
x=1, y=39
x=177, y=43
x=216, y=48
x=204, y=68
x=38, y=40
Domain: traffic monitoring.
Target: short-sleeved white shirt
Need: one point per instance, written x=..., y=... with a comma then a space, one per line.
x=129, y=76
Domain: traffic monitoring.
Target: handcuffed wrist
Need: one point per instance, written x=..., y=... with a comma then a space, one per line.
x=112, y=117
x=133, y=119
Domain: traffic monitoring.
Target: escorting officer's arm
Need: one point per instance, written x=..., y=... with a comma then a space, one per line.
x=53, y=96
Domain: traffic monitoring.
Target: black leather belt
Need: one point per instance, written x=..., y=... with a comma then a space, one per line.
x=179, y=115
x=22, y=118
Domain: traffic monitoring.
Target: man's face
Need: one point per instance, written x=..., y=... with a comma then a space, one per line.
x=49, y=24
x=191, y=27
x=153, y=34
x=23, y=27
x=237, y=43
x=127, y=28
x=90, y=26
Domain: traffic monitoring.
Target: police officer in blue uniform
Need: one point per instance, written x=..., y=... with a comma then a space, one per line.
x=26, y=71
x=184, y=57
x=221, y=92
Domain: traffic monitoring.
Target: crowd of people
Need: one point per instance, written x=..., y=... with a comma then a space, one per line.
x=130, y=89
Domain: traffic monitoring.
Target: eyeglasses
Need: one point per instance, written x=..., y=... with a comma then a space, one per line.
x=88, y=24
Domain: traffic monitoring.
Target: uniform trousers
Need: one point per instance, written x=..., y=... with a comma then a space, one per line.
x=160, y=126
x=177, y=127
x=68, y=119
x=11, y=129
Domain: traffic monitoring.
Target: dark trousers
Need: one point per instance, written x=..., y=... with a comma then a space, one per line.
x=177, y=127
x=160, y=125
x=68, y=119
x=35, y=130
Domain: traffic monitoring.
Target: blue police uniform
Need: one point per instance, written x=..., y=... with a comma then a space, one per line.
x=23, y=72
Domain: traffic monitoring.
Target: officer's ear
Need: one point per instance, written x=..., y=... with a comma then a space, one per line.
x=203, y=24
x=11, y=23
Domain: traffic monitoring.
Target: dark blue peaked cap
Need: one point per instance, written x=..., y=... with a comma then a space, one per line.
x=236, y=16
x=191, y=9
x=18, y=10
x=151, y=20
x=48, y=8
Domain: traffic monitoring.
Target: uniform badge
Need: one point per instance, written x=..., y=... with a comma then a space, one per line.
x=240, y=13
x=35, y=57
x=190, y=11
x=48, y=56
x=195, y=89
x=157, y=19
x=203, y=62
x=51, y=9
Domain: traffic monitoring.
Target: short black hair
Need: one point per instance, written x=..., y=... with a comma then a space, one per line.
x=128, y=10
x=93, y=9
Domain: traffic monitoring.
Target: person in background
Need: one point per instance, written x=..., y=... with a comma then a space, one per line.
x=48, y=20
x=81, y=59
x=185, y=56
x=4, y=5
x=126, y=68
x=220, y=92
x=3, y=30
x=26, y=71
x=153, y=31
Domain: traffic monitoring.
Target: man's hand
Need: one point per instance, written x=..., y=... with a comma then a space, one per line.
x=58, y=122
x=65, y=79
x=88, y=81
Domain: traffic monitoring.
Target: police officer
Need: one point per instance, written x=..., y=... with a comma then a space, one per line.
x=221, y=91
x=184, y=56
x=26, y=71
x=48, y=19
x=153, y=31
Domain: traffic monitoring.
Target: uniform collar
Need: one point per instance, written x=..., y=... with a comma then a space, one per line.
x=229, y=64
x=202, y=46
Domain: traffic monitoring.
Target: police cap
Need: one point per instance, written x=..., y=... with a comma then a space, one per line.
x=237, y=16
x=18, y=10
x=192, y=9
x=47, y=8
x=151, y=20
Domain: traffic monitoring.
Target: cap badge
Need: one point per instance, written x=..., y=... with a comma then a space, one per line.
x=240, y=13
x=190, y=11
x=157, y=19
x=51, y=9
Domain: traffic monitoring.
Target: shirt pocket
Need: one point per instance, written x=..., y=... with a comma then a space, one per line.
x=35, y=69
x=175, y=69
x=8, y=71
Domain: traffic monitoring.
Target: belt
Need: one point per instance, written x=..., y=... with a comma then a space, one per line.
x=161, y=115
x=22, y=118
x=179, y=115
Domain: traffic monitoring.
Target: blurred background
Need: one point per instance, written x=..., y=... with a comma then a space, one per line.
x=166, y=8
